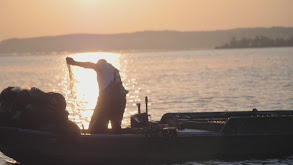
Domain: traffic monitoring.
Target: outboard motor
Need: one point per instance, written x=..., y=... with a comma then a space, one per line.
x=140, y=120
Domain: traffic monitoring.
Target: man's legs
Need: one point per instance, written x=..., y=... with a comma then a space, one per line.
x=117, y=116
x=100, y=119
x=108, y=108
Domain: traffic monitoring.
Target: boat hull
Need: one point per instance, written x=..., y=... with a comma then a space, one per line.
x=33, y=147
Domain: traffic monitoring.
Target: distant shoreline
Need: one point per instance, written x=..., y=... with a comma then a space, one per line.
x=122, y=52
x=257, y=42
x=146, y=41
x=139, y=51
x=254, y=47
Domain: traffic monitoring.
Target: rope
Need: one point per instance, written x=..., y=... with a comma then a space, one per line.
x=71, y=85
x=70, y=78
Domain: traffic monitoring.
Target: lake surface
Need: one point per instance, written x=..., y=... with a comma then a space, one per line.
x=180, y=81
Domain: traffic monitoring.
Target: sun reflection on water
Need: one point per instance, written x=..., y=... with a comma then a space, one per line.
x=83, y=96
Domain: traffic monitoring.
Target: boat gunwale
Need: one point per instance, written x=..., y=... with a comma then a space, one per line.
x=127, y=136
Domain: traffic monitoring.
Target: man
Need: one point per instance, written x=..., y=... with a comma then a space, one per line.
x=112, y=96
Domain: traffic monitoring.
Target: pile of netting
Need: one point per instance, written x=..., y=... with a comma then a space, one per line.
x=35, y=109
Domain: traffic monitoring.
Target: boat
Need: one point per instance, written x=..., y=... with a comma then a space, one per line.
x=176, y=137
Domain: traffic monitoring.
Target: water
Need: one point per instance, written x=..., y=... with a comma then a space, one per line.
x=181, y=81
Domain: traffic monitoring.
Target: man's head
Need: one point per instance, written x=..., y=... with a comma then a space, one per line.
x=101, y=61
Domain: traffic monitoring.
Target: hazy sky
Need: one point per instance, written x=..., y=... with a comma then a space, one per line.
x=31, y=18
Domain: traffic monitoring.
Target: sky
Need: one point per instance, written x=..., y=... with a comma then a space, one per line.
x=33, y=18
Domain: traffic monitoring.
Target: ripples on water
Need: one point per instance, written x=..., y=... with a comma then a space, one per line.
x=285, y=161
x=181, y=81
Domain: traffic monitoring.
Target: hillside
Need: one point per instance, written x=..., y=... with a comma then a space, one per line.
x=140, y=41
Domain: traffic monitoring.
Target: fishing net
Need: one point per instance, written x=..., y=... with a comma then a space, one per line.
x=34, y=109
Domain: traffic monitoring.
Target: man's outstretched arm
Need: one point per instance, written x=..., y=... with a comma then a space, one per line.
x=88, y=65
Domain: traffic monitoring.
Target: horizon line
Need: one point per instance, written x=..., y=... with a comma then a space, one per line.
x=142, y=31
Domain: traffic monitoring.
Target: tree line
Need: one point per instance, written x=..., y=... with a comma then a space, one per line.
x=257, y=42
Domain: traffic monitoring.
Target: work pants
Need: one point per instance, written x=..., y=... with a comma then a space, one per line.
x=110, y=107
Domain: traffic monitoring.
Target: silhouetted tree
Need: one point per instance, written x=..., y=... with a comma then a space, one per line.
x=257, y=42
